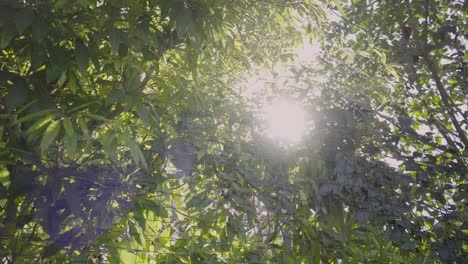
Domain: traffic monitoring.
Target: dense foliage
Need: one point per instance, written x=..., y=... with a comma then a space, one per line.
x=421, y=111
x=126, y=137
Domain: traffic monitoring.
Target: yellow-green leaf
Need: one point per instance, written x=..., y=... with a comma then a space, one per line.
x=127, y=257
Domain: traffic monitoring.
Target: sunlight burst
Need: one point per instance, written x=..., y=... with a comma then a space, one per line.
x=284, y=120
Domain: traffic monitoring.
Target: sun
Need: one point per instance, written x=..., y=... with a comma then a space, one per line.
x=284, y=120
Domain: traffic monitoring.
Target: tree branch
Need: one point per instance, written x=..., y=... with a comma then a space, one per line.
x=445, y=98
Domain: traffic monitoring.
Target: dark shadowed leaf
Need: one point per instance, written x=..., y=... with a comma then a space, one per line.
x=114, y=39
x=6, y=35
x=39, y=28
x=82, y=56
x=17, y=95
x=24, y=19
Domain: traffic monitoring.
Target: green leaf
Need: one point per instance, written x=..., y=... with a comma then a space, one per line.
x=143, y=113
x=24, y=19
x=135, y=232
x=184, y=21
x=392, y=70
x=39, y=124
x=109, y=144
x=70, y=139
x=32, y=116
x=49, y=135
x=39, y=29
x=6, y=36
x=17, y=95
x=131, y=80
x=409, y=245
x=340, y=8
x=37, y=57
x=73, y=82
x=62, y=79
x=114, y=96
x=59, y=4
x=114, y=39
x=123, y=50
x=76, y=108
x=53, y=72
x=135, y=151
x=22, y=109
x=4, y=176
x=127, y=257
x=96, y=117
x=67, y=124
x=82, y=56
x=84, y=128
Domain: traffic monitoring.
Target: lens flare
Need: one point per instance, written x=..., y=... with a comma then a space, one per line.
x=284, y=120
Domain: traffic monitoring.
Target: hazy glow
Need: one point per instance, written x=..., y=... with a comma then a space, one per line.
x=284, y=120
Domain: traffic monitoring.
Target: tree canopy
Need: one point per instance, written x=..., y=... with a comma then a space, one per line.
x=126, y=135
